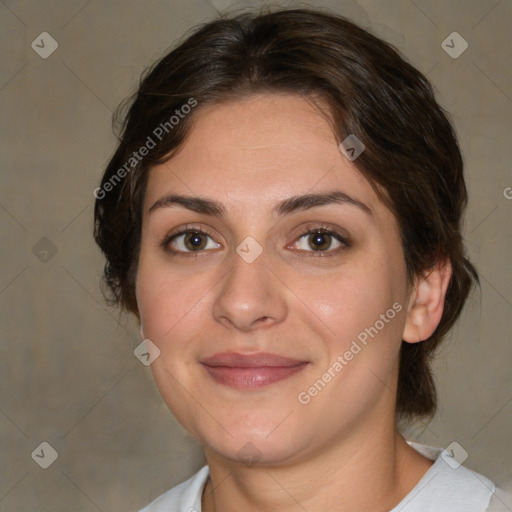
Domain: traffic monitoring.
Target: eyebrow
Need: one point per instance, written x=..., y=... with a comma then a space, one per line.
x=290, y=205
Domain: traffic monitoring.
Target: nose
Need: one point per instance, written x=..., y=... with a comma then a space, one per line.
x=250, y=296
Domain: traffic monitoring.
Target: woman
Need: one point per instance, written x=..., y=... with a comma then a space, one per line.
x=283, y=216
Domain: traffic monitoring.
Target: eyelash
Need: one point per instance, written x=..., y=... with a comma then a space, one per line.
x=312, y=231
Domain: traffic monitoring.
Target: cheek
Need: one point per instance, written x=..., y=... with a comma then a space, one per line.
x=167, y=302
x=353, y=299
x=365, y=313
x=171, y=309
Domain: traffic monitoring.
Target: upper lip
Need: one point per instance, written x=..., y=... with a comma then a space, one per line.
x=258, y=360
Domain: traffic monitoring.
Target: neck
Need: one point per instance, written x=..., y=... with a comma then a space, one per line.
x=372, y=471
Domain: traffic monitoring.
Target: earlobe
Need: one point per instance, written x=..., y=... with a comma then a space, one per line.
x=426, y=303
x=141, y=330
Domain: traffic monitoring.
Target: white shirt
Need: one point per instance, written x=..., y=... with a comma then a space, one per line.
x=445, y=487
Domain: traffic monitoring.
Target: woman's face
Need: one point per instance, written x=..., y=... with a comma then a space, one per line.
x=259, y=237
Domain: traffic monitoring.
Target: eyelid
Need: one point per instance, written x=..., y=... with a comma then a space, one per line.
x=187, y=228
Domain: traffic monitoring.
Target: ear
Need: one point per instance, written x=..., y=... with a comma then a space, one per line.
x=141, y=330
x=426, y=302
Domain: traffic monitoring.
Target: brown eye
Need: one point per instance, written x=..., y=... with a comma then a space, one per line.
x=190, y=241
x=320, y=241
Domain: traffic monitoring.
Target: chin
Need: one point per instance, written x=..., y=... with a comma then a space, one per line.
x=251, y=443
x=253, y=450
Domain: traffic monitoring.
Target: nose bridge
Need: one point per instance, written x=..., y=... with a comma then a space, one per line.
x=249, y=295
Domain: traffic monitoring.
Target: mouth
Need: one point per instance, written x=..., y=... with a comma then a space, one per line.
x=254, y=371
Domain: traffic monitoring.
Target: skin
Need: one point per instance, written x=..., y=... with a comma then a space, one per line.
x=249, y=156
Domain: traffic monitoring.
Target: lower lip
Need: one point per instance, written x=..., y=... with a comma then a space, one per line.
x=252, y=378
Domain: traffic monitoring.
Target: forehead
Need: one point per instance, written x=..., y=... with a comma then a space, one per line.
x=256, y=152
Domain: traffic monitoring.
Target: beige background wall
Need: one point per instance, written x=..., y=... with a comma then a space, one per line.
x=68, y=375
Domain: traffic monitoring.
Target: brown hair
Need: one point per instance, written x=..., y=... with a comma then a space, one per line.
x=412, y=158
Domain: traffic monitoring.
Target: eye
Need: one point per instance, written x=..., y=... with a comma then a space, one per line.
x=321, y=240
x=190, y=241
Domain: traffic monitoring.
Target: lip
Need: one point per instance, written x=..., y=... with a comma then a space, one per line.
x=250, y=371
